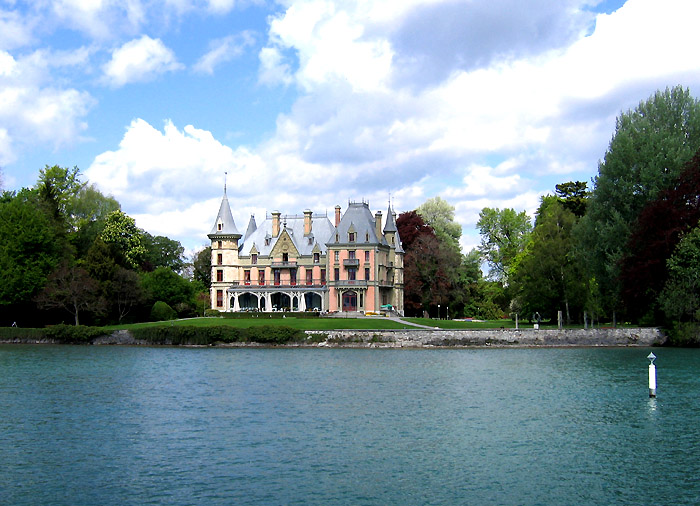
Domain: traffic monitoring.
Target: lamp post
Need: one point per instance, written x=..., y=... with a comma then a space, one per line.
x=438, y=311
x=447, y=314
x=652, y=375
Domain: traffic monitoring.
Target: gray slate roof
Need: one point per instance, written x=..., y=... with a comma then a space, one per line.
x=360, y=219
x=321, y=230
x=229, y=226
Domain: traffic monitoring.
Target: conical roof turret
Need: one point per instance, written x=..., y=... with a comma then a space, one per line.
x=224, y=224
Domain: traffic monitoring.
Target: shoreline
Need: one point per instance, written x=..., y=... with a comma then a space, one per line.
x=420, y=338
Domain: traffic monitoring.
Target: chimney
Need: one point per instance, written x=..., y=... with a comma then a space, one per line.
x=378, y=225
x=275, y=223
x=337, y=215
x=307, y=222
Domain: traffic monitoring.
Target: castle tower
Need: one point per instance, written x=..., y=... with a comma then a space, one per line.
x=224, y=238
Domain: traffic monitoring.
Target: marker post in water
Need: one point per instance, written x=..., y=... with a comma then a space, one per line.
x=652, y=375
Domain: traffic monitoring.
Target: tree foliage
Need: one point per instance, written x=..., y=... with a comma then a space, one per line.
x=72, y=289
x=121, y=232
x=439, y=215
x=546, y=277
x=574, y=196
x=649, y=148
x=655, y=236
x=165, y=285
x=161, y=251
x=59, y=188
x=202, y=266
x=29, y=247
x=504, y=234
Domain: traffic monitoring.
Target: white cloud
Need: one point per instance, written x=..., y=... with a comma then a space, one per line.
x=34, y=108
x=139, y=60
x=272, y=69
x=100, y=19
x=224, y=50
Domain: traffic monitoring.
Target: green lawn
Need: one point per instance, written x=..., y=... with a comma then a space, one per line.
x=296, y=323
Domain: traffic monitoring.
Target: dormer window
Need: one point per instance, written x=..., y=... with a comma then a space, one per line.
x=317, y=258
x=254, y=259
x=219, y=244
x=336, y=238
x=366, y=236
x=267, y=241
x=220, y=226
x=351, y=237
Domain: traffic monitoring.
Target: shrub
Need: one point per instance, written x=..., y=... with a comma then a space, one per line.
x=70, y=334
x=212, y=312
x=162, y=312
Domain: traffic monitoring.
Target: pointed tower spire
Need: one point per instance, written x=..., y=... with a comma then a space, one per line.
x=252, y=227
x=224, y=224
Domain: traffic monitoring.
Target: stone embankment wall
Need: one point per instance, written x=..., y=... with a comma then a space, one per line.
x=502, y=338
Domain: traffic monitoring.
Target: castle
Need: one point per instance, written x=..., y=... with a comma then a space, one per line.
x=306, y=263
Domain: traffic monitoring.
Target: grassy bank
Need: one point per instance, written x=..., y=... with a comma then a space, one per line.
x=291, y=322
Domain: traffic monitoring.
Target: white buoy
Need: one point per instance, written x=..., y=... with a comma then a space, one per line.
x=652, y=375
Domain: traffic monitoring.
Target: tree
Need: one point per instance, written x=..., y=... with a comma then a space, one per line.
x=59, y=187
x=574, y=195
x=88, y=213
x=72, y=289
x=202, y=266
x=29, y=247
x=504, y=234
x=431, y=267
x=126, y=291
x=167, y=286
x=439, y=215
x=162, y=252
x=121, y=232
x=653, y=240
x=546, y=277
x=650, y=146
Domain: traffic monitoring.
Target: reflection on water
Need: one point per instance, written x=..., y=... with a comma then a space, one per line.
x=99, y=425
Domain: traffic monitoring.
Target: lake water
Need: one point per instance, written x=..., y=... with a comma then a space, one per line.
x=181, y=426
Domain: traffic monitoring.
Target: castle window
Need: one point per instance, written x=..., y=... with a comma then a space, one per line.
x=351, y=254
x=311, y=241
x=220, y=226
x=261, y=277
x=219, y=259
x=366, y=256
x=323, y=276
x=392, y=239
x=246, y=276
x=366, y=236
x=367, y=273
x=219, y=244
x=336, y=274
x=351, y=237
x=254, y=258
x=317, y=258
x=267, y=241
x=219, y=298
x=336, y=256
x=285, y=257
x=219, y=275
x=336, y=237
x=352, y=274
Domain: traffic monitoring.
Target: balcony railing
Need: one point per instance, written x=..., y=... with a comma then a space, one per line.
x=280, y=283
x=349, y=282
x=351, y=262
x=285, y=265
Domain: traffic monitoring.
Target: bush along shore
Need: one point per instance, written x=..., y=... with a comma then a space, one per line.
x=285, y=336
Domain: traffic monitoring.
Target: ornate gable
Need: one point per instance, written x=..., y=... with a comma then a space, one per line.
x=284, y=244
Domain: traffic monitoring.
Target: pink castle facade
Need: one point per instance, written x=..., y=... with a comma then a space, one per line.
x=306, y=263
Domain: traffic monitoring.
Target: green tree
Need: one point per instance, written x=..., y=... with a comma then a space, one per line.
x=162, y=252
x=439, y=215
x=125, y=291
x=71, y=288
x=649, y=148
x=202, y=266
x=59, y=187
x=546, y=277
x=504, y=234
x=574, y=195
x=88, y=214
x=121, y=233
x=165, y=285
x=29, y=247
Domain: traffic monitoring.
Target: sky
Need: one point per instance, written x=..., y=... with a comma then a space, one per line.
x=307, y=104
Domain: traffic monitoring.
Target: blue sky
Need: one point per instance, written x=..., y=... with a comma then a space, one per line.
x=311, y=103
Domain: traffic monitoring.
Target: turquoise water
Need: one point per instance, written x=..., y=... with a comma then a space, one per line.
x=130, y=425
